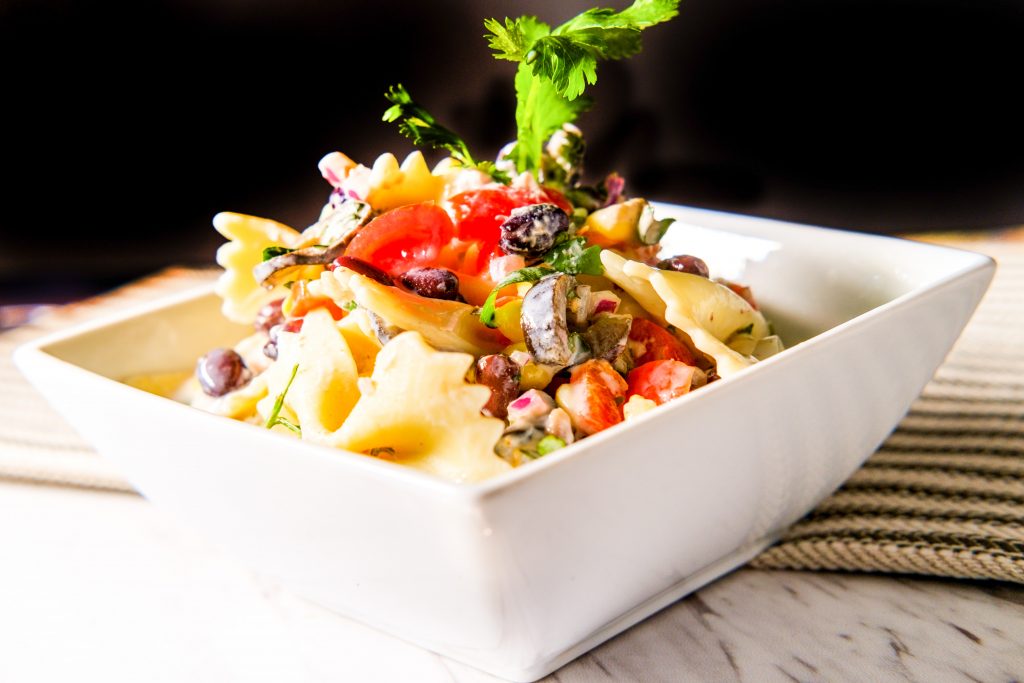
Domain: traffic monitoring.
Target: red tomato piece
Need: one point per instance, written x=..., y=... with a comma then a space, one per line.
x=593, y=396
x=743, y=291
x=661, y=380
x=300, y=302
x=600, y=371
x=307, y=304
x=658, y=343
x=404, y=238
x=480, y=213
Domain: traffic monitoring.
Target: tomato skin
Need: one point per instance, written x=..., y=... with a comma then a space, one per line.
x=661, y=380
x=593, y=396
x=602, y=372
x=743, y=291
x=404, y=238
x=658, y=343
x=479, y=214
x=299, y=302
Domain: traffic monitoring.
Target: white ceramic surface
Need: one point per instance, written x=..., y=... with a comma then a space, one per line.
x=522, y=573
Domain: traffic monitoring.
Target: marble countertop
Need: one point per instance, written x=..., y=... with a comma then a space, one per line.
x=101, y=586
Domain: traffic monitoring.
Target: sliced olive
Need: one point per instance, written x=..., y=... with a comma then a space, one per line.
x=280, y=269
x=339, y=227
x=543, y=319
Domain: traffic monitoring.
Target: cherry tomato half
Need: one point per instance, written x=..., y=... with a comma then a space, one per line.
x=404, y=238
x=660, y=380
x=658, y=343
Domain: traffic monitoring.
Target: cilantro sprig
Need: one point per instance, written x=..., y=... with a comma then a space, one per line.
x=570, y=255
x=556, y=65
x=417, y=124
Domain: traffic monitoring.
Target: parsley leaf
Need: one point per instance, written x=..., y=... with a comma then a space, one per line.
x=417, y=124
x=522, y=275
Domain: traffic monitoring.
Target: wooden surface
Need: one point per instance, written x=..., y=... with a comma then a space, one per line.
x=102, y=587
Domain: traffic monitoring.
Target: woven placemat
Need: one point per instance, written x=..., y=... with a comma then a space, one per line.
x=943, y=496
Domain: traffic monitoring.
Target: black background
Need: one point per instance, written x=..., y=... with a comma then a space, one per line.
x=127, y=126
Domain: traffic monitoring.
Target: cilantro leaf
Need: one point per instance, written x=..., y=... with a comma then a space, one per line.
x=514, y=39
x=522, y=275
x=640, y=15
x=572, y=256
x=569, y=255
x=540, y=111
x=417, y=124
x=556, y=66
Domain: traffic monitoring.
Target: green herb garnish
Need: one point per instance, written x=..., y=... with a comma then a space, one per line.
x=572, y=256
x=272, y=252
x=555, y=66
x=350, y=306
x=417, y=124
x=522, y=275
x=275, y=414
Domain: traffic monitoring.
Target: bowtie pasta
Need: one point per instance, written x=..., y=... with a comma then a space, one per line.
x=464, y=322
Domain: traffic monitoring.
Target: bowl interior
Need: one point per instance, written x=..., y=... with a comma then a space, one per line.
x=807, y=280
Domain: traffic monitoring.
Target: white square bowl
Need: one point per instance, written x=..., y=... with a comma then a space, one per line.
x=522, y=573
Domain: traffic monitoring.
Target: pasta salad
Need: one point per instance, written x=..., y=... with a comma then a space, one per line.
x=469, y=318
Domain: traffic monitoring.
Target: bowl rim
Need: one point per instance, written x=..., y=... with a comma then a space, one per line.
x=35, y=355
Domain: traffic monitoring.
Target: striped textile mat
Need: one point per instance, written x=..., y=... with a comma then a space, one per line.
x=943, y=496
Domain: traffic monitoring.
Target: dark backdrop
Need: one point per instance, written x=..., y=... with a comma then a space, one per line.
x=127, y=126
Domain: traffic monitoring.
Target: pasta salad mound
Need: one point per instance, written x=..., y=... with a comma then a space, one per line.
x=468, y=318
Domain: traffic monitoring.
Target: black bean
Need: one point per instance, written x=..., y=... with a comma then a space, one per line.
x=531, y=230
x=498, y=373
x=684, y=263
x=221, y=371
x=363, y=268
x=269, y=316
x=433, y=283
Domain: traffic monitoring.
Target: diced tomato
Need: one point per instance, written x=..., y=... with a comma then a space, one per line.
x=600, y=371
x=743, y=291
x=480, y=213
x=658, y=343
x=593, y=396
x=661, y=380
x=404, y=238
x=308, y=304
x=299, y=302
